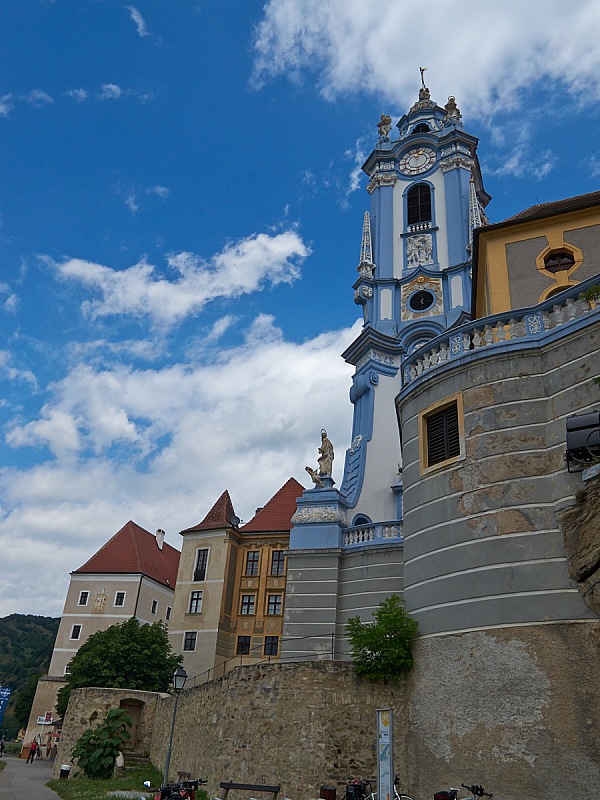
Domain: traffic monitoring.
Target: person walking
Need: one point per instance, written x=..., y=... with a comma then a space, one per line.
x=2, y=746
x=32, y=752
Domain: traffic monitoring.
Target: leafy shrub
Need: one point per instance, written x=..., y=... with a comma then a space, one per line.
x=97, y=750
x=382, y=650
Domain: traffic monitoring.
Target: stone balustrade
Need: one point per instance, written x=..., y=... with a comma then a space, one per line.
x=501, y=329
x=372, y=533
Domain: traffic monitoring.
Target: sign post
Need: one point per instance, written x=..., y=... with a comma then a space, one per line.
x=385, y=754
x=4, y=695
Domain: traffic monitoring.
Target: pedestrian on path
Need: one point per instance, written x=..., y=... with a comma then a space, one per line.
x=32, y=752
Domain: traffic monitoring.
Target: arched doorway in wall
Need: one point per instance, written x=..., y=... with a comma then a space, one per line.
x=135, y=709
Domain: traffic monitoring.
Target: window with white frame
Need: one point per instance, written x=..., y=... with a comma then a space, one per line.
x=168, y=613
x=195, y=606
x=189, y=641
x=154, y=606
x=201, y=564
x=83, y=598
x=120, y=598
x=75, y=632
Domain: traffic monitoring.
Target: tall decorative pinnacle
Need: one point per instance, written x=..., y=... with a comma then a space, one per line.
x=366, y=265
x=477, y=216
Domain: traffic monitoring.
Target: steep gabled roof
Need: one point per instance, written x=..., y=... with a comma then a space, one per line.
x=277, y=514
x=220, y=516
x=134, y=550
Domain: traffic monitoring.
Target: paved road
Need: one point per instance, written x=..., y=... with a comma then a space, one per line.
x=21, y=781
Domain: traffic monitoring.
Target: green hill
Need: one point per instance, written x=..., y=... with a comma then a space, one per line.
x=26, y=643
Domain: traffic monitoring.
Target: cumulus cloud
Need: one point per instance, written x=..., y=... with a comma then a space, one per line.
x=356, y=46
x=240, y=268
x=160, y=445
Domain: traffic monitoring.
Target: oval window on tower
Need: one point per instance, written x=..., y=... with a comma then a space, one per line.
x=421, y=300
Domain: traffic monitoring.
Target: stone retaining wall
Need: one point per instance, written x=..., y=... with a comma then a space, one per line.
x=302, y=725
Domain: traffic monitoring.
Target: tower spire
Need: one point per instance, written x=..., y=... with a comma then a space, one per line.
x=366, y=264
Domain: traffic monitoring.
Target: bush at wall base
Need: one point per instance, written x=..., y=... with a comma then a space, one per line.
x=97, y=750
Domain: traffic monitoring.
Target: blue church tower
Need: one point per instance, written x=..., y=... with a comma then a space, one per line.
x=414, y=282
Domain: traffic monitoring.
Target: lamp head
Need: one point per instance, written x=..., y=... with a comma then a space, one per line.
x=179, y=679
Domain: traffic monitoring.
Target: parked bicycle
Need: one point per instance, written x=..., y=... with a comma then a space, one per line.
x=358, y=789
x=186, y=790
x=452, y=794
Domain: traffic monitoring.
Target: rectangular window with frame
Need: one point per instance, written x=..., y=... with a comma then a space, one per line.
x=201, y=563
x=278, y=562
x=248, y=603
x=154, y=606
x=441, y=430
x=189, y=641
x=271, y=645
x=195, y=603
x=76, y=632
x=243, y=646
x=168, y=613
x=274, y=604
x=83, y=598
x=67, y=670
x=120, y=599
x=252, y=562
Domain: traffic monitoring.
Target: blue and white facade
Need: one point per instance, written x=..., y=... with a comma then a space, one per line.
x=346, y=546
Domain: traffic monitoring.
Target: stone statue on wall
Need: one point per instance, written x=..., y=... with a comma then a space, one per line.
x=325, y=461
x=326, y=454
x=384, y=125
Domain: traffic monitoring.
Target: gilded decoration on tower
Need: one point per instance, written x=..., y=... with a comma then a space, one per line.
x=428, y=294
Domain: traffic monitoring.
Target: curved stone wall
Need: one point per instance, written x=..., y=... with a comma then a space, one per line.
x=482, y=543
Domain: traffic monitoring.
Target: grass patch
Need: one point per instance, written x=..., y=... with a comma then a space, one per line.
x=82, y=788
x=2, y=765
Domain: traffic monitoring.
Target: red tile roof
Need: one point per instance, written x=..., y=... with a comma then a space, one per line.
x=220, y=516
x=277, y=514
x=134, y=550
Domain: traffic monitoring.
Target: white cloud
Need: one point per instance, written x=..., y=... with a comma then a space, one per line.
x=56, y=429
x=131, y=202
x=160, y=445
x=240, y=268
x=109, y=91
x=78, y=94
x=356, y=46
x=139, y=21
x=12, y=373
x=160, y=191
x=38, y=99
x=6, y=105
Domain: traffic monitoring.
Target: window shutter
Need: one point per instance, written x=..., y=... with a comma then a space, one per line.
x=443, y=439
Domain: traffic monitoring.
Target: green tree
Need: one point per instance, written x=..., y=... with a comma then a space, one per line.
x=24, y=701
x=382, y=650
x=131, y=655
x=97, y=750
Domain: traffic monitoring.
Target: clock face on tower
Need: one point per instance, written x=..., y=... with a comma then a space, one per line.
x=418, y=160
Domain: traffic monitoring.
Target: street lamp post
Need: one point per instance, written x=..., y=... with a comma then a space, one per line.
x=179, y=679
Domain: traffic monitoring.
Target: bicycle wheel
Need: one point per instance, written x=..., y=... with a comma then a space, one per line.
x=404, y=797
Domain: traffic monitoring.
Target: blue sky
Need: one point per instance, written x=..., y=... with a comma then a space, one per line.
x=181, y=205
